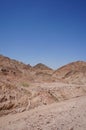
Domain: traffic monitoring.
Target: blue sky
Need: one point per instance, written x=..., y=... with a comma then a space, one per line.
x=49, y=31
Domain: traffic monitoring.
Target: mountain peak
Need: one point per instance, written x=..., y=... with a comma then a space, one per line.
x=41, y=66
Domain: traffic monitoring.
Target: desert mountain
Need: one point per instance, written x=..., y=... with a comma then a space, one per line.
x=12, y=69
x=23, y=87
x=39, y=98
x=43, y=73
x=10, y=66
x=42, y=67
x=74, y=72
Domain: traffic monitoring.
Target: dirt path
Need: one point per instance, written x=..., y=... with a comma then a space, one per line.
x=67, y=115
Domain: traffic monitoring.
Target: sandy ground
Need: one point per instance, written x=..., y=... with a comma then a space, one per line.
x=66, y=115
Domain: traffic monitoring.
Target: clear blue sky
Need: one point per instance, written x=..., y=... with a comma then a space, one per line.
x=49, y=31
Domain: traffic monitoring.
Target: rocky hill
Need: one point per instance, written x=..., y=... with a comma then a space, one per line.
x=43, y=73
x=12, y=69
x=23, y=87
x=16, y=92
x=41, y=66
x=74, y=72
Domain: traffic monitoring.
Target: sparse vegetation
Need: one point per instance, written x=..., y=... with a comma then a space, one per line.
x=24, y=84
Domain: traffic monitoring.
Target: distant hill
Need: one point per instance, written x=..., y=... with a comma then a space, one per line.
x=43, y=73
x=41, y=67
x=14, y=70
x=74, y=72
